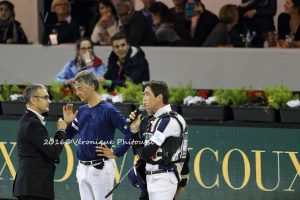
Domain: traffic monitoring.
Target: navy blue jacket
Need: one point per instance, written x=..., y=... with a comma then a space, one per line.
x=96, y=126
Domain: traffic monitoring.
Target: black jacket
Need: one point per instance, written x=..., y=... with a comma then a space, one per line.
x=35, y=173
x=139, y=32
x=66, y=32
x=263, y=20
x=13, y=30
x=135, y=67
x=284, y=27
x=205, y=25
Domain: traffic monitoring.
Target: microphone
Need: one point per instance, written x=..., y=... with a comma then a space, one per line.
x=138, y=112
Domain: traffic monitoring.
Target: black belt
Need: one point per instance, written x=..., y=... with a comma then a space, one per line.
x=93, y=162
x=157, y=171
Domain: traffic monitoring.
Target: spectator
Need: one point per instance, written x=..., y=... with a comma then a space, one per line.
x=182, y=25
x=85, y=59
x=224, y=34
x=107, y=23
x=202, y=22
x=145, y=10
x=125, y=61
x=163, y=22
x=11, y=31
x=135, y=25
x=258, y=16
x=289, y=25
x=66, y=29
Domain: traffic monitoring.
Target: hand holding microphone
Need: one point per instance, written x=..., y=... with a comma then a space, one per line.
x=134, y=119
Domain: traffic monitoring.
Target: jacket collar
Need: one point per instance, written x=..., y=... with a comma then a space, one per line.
x=36, y=114
x=162, y=110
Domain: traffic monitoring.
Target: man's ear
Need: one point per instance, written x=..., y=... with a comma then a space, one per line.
x=32, y=100
x=160, y=97
x=94, y=87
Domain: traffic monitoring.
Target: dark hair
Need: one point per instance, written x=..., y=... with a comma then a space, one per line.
x=297, y=5
x=158, y=87
x=119, y=36
x=227, y=13
x=10, y=6
x=184, y=2
x=201, y=3
x=125, y=3
x=109, y=4
x=88, y=78
x=162, y=10
x=78, y=43
x=31, y=90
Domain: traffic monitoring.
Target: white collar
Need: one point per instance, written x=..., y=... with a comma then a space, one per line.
x=41, y=118
x=68, y=19
x=134, y=51
x=162, y=110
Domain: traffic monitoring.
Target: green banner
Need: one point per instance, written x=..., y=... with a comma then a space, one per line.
x=226, y=163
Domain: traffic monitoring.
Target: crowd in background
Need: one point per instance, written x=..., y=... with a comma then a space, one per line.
x=188, y=23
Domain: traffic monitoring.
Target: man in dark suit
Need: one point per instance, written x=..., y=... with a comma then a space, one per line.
x=35, y=175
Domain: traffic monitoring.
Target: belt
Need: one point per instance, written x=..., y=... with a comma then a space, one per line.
x=157, y=171
x=93, y=162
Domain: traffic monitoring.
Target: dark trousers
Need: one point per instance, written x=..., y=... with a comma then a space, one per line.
x=144, y=196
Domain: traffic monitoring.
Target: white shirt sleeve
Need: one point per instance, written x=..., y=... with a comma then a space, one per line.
x=95, y=35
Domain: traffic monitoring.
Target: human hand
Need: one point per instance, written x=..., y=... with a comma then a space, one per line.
x=68, y=113
x=250, y=13
x=105, y=37
x=198, y=9
x=10, y=41
x=102, y=80
x=105, y=20
x=69, y=81
x=295, y=44
x=135, y=125
x=104, y=150
x=194, y=21
x=283, y=44
x=61, y=124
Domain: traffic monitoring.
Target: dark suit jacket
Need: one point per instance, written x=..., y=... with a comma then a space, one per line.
x=35, y=173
